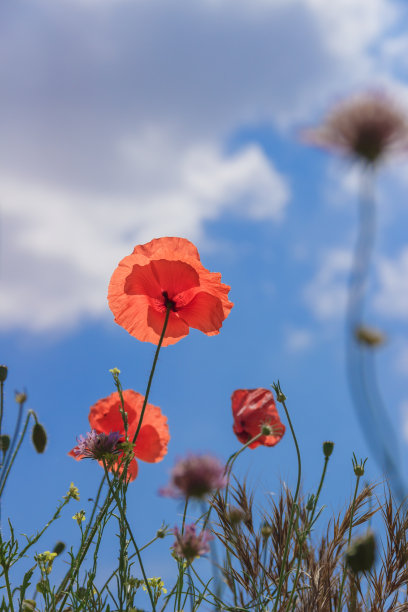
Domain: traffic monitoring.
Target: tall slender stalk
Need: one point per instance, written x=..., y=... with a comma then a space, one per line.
x=363, y=382
x=281, y=399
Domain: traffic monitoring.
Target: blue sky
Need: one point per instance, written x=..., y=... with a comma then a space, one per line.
x=124, y=121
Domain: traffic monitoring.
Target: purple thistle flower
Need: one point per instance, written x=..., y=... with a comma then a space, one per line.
x=196, y=476
x=189, y=545
x=97, y=445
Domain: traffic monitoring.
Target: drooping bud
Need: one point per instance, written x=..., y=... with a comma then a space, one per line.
x=59, y=548
x=360, y=556
x=4, y=442
x=3, y=373
x=39, y=438
x=328, y=448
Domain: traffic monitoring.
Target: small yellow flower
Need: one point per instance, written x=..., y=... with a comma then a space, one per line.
x=45, y=561
x=79, y=516
x=73, y=492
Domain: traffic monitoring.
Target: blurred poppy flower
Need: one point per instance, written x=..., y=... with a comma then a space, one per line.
x=254, y=411
x=366, y=126
x=153, y=437
x=167, y=272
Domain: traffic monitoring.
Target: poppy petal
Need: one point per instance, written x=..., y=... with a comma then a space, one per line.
x=151, y=445
x=204, y=312
x=176, y=327
x=161, y=275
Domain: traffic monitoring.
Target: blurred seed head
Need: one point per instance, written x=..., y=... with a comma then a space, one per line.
x=367, y=127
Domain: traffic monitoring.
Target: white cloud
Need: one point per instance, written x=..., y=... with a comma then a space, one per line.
x=326, y=294
x=60, y=247
x=298, y=340
x=392, y=296
x=115, y=116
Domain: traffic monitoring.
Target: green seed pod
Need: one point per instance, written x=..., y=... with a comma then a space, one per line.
x=3, y=373
x=360, y=556
x=59, y=548
x=328, y=448
x=39, y=438
x=4, y=442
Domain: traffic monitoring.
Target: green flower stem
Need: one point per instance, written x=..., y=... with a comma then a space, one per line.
x=348, y=542
x=5, y=469
x=95, y=505
x=84, y=548
x=149, y=383
x=70, y=577
x=10, y=463
x=130, y=557
x=9, y=592
x=125, y=521
x=118, y=385
x=281, y=398
x=184, y=516
x=232, y=459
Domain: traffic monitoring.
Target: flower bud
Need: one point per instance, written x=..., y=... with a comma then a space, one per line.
x=266, y=530
x=310, y=503
x=20, y=397
x=4, y=442
x=360, y=556
x=358, y=467
x=236, y=515
x=3, y=373
x=39, y=438
x=328, y=448
x=369, y=336
x=161, y=533
x=59, y=548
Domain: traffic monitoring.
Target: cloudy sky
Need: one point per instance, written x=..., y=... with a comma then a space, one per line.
x=125, y=120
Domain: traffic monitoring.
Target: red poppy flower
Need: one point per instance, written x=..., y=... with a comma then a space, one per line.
x=153, y=437
x=252, y=409
x=167, y=271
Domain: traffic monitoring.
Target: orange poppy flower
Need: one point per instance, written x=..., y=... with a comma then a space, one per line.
x=167, y=272
x=252, y=409
x=153, y=437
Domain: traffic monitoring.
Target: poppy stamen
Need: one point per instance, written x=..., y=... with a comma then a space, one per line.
x=168, y=302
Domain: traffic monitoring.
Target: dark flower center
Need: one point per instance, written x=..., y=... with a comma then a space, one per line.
x=168, y=302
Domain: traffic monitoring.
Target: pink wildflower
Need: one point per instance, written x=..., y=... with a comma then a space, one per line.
x=97, y=445
x=189, y=545
x=196, y=476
